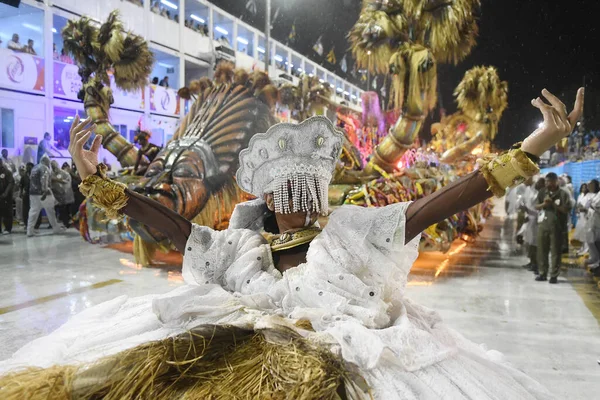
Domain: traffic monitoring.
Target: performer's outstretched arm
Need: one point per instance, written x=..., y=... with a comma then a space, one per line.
x=153, y=214
x=116, y=196
x=474, y=188
x=460, y=195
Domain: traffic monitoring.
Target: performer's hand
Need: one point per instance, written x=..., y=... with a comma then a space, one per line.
x=86, y=161
x=557, y=124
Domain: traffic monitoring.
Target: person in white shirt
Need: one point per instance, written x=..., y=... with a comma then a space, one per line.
x=593, y=226
x=529, y=229
x=583, y=204
x=512, y=200
x=14, y=44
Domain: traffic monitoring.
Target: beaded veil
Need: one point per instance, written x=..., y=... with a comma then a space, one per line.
x=294, y=162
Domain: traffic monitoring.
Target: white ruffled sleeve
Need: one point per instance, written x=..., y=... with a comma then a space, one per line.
x=238, y=260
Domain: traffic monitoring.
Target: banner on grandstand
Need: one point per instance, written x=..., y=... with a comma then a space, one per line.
x=67, y=82
x=164, y=100
x=21, y=71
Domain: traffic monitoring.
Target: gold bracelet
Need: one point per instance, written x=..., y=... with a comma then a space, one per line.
x=507, y=170
x=104, y=192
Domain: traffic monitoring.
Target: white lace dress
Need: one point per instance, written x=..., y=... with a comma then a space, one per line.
x=351, y=289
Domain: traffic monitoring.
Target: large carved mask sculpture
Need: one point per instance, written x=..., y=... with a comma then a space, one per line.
x=202, y=158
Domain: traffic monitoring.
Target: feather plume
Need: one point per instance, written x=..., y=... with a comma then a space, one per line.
x=240, y=77
x=184, y=93
x=110, y=37
x=135, y=65
x=224, y=73
x=268, y=95
x=258, y=80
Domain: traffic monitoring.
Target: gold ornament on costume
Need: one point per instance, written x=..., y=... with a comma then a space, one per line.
x=507, y=170
x=104, y=192
x=289, y=240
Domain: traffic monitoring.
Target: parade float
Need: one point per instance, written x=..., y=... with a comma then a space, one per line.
x=381, y=163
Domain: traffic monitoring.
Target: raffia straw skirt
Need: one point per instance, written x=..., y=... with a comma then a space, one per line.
x=228, y=363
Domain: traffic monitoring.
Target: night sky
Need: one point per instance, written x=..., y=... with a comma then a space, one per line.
x=533, y=44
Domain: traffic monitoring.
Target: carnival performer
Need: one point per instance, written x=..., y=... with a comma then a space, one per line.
x=340, y=289
x=147, y=149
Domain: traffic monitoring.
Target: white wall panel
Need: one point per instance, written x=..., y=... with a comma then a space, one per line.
x=164, y=31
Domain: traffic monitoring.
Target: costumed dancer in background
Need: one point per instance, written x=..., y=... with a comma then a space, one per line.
x=325, y=308
x=147, y=149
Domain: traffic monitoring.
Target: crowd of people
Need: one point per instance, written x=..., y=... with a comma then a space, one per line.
x=27, y=189
x=202, y=29
x=157, y=8
x=546, y=212
x=164, y=82
x=580, y=147
x=14, y=44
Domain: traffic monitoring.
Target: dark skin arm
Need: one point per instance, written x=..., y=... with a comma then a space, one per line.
x=459, y=195
x=157, y=216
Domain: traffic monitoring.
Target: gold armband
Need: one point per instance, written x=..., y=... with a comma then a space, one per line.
x=104, y=192
x=507, y=170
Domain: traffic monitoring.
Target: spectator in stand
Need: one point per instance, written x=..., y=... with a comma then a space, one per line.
x=24, y=192
x=176, y=18
x=45, y=147
x=41, y=196
x=7, y=185
x=205, y=29
x=65, y=58
x=29, y=48
x=55, y=54
x=164, y=13
x=155, y=8
x=593, y=226
x=14, y=44
x=164, y=82
x=186, y=23
x=553, y=204
x=155, y=80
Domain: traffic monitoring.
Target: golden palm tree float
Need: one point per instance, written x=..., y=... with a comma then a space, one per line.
x=405, y=39
x=99, y=51
x=482, y=98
